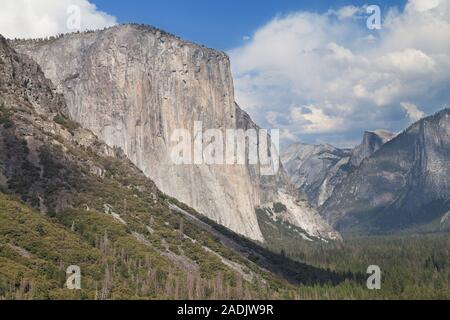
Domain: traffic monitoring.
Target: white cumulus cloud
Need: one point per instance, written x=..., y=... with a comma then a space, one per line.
x=412, y=111
x=42, y=18
x=424, y=5
x=326, y=77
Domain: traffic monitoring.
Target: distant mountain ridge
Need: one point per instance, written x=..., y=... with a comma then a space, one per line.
x=315, y=169
x=405, y=184
x=388, y=183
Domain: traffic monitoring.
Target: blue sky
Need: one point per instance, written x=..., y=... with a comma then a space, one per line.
x=218, y=24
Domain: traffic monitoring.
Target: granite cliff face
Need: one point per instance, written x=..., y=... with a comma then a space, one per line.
x=67, y=198
x=134, y=85
x=405, y=184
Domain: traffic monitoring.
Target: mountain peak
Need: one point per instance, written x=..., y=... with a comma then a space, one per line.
x=372, y=142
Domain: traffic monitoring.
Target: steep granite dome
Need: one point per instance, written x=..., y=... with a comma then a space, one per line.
x=134, y=85
x=404, y=184
x=372, y=142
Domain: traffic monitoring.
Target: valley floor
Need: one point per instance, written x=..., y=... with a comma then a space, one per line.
x=412, y=266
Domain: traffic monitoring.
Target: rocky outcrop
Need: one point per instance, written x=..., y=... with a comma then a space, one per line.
x=404, y=184
x=133, y=86
x=21, y=77
x=33, y=130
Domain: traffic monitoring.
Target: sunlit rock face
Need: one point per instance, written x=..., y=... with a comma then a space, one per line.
x=133, y=86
